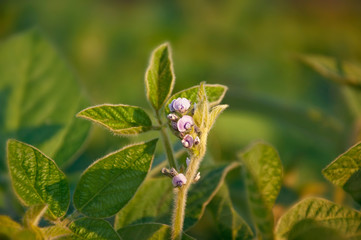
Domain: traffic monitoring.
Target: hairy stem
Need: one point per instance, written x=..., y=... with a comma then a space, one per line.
x=166, y=142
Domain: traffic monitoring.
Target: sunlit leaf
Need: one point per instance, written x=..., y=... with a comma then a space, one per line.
x=39, y=97
x=8, y=227
x=215, y=112
x=36, y=179
x=56, y=231
x=149, y=231
x=264, y=176
x=159, y=78
x=120, y=119
x=34, y=214
x=320, y=213
x=110, y=182
x=201, y=112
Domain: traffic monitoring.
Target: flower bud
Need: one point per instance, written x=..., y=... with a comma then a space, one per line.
x=188, y=161
x=180, y=105
x=185, y=123
x=197, y=141
x=179, y=180
x=197, y=177
x=187, y=141
x=174, y=125
x=172, y=117
x=171, y=106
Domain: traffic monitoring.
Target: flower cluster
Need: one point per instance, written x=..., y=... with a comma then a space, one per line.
x=182, y=122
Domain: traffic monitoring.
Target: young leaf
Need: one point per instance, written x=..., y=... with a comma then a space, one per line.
x=322, y=213
x=201, y=112
x=158, y=192
x=34, y=214
x=215, y=113
x=345, y=170
x=214, y=92
x=264, y=176
x=56, y=232
x=88, y=228
x=39, y=96
x=120, y=119
x=230, y=224
x=110, y=182
x=36, y=179
x=149, y=231
x=8, y=227
x=159, y=78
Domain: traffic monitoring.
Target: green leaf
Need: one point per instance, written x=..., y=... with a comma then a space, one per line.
x=56, y=232
x=153, y=200
x=8, y=227
x=110, y=182
x=88, y=228
x=230, y=224
x=343, y=72
x=120, y=119
x=149, y=231
x=345, y=171
x=36, y=179
x=159, y=78
x=34, y=214
x=215, y=112
x=201, y=112
x=39, y=97
x=263, y=179
x=214, y=92
x=321, y=213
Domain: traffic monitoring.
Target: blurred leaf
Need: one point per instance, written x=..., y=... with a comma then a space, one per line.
x=340, y=71
x=159, y=78
x=153, y=200
x=88, y=228
x=264, y=179
x=120, y=119
x=345, y=171
x=214, y=92
x=26, y=234
x=110, y=182
x=230, y=224
x=215, y=112
x=36, y=179
x=39, y=97
x=8, y=227
x=34, y=214
x=149, y=231
x=55, y=231
x=321, y=213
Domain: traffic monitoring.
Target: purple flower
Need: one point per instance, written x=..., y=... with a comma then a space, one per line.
x=179, y=180
x=187, y=141
x=185, y=123
x=180, y=105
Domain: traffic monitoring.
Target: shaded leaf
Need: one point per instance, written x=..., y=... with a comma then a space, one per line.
x=39, y=97
x=36, y=179
x=120, y=119
x=159, y=78
x=110, y=182
x=230, y=224
x=214, y=92
x=344, y=171
x=34, y=214
x=323, y=213
x=149, y=231
x=263, y=179
x=8, y=227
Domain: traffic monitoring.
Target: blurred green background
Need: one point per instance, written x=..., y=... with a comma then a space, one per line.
x=249, y=45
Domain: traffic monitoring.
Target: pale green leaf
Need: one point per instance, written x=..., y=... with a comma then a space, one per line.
x=214, y=92
x=201, y=112
x=322, y=213
x=149, y=231
x=263, y=179
x=345, y=171
x=110, y=182
x=34, y=214
x=153, y=201
x=26, y=234
x=215, y=112
x=159, y=78
x=229, y=223
x=36, y=179
x=55, y=232
x=344, y=72
x=88, y=228
x=39, y=97
x=8, y=227
x=120, y=119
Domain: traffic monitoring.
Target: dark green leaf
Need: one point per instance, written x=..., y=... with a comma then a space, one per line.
x=149, y=231
x=264, y=176
x=36, y=179
x=159, y=78
x=110, y=182
x=120, y=119
x=320, y=213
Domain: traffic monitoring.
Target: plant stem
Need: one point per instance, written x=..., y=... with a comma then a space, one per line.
x=166, y=142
